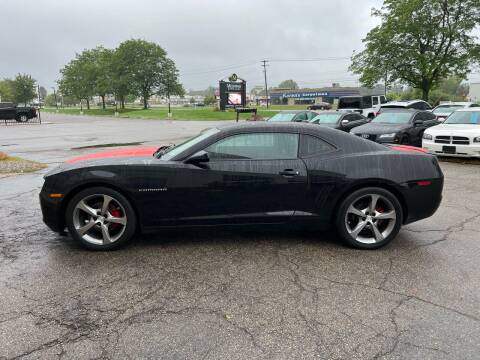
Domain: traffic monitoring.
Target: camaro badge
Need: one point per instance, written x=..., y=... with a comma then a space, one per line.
x=152, y=190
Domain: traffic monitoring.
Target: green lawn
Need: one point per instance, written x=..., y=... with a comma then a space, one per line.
x=179, y=113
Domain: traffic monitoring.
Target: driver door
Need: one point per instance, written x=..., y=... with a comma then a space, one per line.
x=249, y=178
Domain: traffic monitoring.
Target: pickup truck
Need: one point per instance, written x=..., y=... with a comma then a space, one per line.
x=10, y=111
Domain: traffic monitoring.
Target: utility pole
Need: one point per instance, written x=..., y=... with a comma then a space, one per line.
x=386, y=79
x=39, y=98
x=265, y=75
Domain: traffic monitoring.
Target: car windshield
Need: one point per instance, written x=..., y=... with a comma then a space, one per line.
x=326, y=118
x=464, y=117
x=393, y=118
x=446, y=109
x=282, y=116
x=173, y=151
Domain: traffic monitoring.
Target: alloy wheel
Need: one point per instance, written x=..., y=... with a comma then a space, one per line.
x=370, y=218
x=99, y=219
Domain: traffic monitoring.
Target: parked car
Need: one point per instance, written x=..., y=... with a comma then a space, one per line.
x=260, y=173
x=458, y=136
x=293, y=116
x=443, y=110
x=320, y=106
x=10, y=111
x=410, y=104
x=368, y=106
x=339, y=120
x=398, y=126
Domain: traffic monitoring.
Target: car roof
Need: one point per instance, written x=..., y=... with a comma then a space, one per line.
x=401, y=102
x=472, y=109
x=448, y=103
x=402, y=109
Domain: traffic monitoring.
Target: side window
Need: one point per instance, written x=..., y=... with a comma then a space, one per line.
x=430, y=116
x=419, y=116
x=367, y=102
x=310, y=145
x=375, y=100
x=301, y=116
x=383, y=100
x=474, y=105
x=257, y=146
x=416, y=105
x=311, y=115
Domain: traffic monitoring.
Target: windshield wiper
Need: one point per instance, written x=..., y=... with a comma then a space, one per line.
x=162, y=150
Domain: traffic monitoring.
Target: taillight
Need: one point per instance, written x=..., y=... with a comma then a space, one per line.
x=424, y=183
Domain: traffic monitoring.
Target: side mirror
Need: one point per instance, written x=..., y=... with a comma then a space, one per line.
x=198, y=158
x=345, y=122
x=418, y=123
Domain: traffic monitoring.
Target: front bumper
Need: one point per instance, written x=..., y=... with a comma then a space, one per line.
x=51, y=212
x=472, y=150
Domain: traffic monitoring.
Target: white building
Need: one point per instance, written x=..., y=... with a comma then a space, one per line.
x=474, y=93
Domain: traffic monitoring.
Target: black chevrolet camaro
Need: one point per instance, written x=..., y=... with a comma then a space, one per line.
x=260, y=173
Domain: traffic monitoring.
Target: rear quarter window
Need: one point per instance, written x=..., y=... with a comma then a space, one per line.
x=311, y=145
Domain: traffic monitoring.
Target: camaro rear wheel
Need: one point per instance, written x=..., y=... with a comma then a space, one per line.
x=100, y=218
x=369, y=218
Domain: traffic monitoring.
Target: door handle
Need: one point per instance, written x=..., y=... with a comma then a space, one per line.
x=289, y=173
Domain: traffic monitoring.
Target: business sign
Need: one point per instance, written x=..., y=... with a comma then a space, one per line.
x=233, y=93
x=305, y=94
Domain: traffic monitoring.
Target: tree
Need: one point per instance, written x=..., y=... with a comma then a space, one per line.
x=23, y=89
x=420, y=43
x=6, y=91
x=210, y=100
x=101, y=59
x=169, y=84
x=288, y=84
x=79, y=78
x=142, y=64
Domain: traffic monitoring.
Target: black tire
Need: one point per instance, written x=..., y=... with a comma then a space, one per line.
x=405, y=140
x=128, y=230
x=22, y=118
x=384, y=196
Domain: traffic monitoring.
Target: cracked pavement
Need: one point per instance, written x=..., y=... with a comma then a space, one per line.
x=218, y=294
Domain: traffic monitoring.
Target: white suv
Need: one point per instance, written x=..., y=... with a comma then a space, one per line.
x=368, y=106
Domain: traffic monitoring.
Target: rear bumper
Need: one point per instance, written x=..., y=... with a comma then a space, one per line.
x=461, y=150
x=422, y=201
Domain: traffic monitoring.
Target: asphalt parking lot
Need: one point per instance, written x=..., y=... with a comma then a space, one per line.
x=225, y=294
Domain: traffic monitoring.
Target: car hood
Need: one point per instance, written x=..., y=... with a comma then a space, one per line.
x=377, y=129
x=129, y=156
x=117, y=153
x=455, y=129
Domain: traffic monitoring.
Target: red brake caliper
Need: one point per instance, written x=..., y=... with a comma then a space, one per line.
x=115, y=212
x=380, y=210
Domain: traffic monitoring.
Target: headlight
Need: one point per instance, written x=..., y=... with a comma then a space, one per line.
x=477, y=139
x=427, y=136
x=387, y=135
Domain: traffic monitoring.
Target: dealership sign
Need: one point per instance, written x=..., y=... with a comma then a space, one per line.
x=233, y=93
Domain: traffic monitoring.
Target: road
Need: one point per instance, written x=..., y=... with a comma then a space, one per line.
x=224, y=294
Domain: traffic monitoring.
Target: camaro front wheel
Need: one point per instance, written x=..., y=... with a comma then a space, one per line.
x=100, y=218
x=369, y=218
